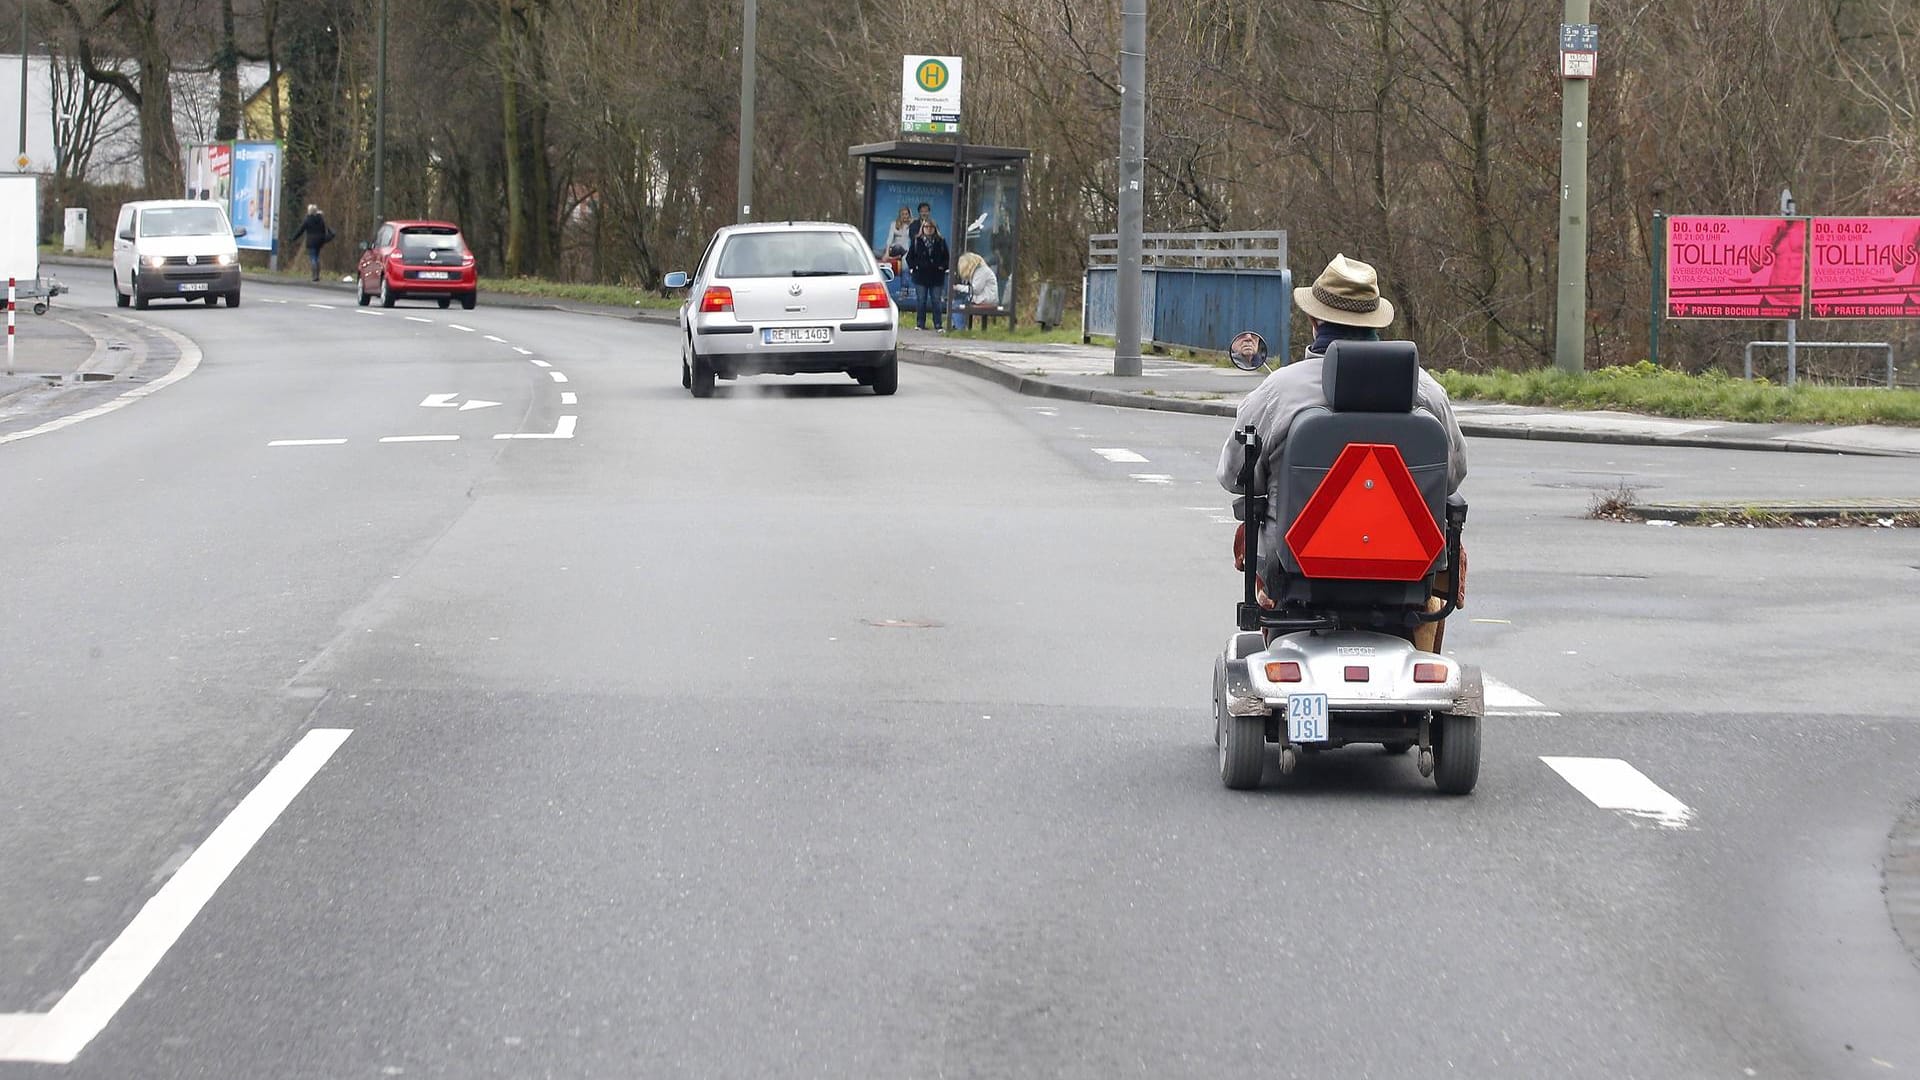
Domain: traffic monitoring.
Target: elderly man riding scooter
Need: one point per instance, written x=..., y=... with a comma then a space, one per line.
x=1343, y=304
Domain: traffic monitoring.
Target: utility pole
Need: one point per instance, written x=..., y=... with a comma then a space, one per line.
x=749, y=31
x=22, y=159
x=1133, y=125
x=380, y=122
x=1578, y=48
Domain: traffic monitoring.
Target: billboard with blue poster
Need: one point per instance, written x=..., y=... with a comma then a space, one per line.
x=896, y=190
x=255, y=205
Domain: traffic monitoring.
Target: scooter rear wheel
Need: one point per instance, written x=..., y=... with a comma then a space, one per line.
x=1456, y=754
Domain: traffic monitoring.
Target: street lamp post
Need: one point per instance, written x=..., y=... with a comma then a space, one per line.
x=1133, y=123
x=748, y=31
x=380, y=122
x=21, y=160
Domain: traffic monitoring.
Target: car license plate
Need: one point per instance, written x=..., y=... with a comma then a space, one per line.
x=193, y=286
x=1306, y=718
x=797, y=335
x=436, y=275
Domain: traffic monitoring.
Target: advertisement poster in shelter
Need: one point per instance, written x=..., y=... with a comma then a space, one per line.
x=256, y=194
x=1736, y=267
x=1866, y=268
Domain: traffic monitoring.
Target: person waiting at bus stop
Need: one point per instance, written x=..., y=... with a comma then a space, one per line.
x=927, y=267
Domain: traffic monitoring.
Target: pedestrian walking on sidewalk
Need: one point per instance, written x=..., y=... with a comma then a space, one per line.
x=317, y=234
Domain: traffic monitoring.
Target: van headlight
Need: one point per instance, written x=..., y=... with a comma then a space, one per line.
x=155, y=262
x=223, y=260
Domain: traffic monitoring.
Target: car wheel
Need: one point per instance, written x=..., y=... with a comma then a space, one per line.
x=886, y=377
x=686, y=377
x=702, y=378
x=133, y=286
x=467, y=300
x=120, y=299
x=233, y=298
x=360, y=288
x=446, y=302
x=386, y=292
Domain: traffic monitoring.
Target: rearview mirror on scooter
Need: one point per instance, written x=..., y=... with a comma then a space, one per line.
x=1248, y=351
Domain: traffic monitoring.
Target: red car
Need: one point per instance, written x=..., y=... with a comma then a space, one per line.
x=425, y=259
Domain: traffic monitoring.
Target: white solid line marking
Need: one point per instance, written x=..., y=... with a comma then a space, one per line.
x=416, y=318
x=568, y=397
x=501, y=340
x=457, y=326
x=322, y=307
x=1118, y=456
x=185, y=366
x=523, y=352
x=420, y=438
x=1151, y=477
x=1612, y=784
x=557, y=377
x=562, y=430
x=57, y=1037
x=539, y=363
x=306, y=442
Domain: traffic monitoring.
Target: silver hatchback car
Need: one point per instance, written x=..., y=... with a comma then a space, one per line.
x=787, y=298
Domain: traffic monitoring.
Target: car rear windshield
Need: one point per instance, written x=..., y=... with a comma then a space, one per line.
x=183, y=221
x=795, y=253
x=421, y=241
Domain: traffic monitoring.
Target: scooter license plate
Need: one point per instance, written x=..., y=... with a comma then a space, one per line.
x=1306, y=718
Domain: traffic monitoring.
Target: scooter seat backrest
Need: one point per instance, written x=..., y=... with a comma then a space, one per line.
x=1371, y=391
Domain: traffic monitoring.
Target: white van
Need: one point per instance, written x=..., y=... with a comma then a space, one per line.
x=175, y=248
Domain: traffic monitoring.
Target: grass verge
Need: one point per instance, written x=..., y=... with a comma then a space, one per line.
x=1644, y=388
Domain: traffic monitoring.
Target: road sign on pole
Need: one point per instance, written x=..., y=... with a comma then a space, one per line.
x=930, y=94
x=1570, y=306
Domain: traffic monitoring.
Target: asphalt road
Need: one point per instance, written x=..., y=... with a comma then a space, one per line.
x=805, y=733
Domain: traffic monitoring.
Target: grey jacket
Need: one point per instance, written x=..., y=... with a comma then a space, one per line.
x=1274, y=405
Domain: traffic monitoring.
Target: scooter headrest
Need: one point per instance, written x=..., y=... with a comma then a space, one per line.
x=1371, y=376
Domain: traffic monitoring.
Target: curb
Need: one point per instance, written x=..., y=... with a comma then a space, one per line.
x=1038, y=387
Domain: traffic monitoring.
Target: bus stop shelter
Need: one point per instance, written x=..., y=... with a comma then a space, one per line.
x=978, y=187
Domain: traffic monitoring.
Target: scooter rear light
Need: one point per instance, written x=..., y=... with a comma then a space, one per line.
x=1429, y=673
x=1283, y=671
x=717, y=298
x=873, y=294
x=1358, y=673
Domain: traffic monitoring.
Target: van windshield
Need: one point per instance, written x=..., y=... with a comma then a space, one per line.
x=183, y=221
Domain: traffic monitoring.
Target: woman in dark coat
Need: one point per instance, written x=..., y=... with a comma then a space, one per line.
x=314, y=228
x=927, y=266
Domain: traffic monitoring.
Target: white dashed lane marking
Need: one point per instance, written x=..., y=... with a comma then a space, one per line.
x=1612, y=784
x=1152, y=478
x=1504, y=700
x=501, y=340
x=457, y=326
x=557, y=376
x=416, y=318
x=306, y=442
x=420, y=438
x=1120, y=456
x=322, y=307
x=539, y=363
x=568, y=397
x=562, y=430
x=523, y=352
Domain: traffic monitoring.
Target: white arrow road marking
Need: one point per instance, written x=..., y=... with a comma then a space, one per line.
x=563, y=430
x=438, y=401
x=1119, y=456
x=476, y=403
x=1612, y=784
x=56, y=1037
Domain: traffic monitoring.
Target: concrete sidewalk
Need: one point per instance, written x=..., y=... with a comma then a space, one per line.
x=1084, y=373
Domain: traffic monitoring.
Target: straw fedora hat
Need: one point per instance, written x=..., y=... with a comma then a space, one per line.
x=1346, y=292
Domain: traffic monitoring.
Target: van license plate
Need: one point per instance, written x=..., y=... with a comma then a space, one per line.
x=797, y=335
x=193, y=286
x=1306, y=718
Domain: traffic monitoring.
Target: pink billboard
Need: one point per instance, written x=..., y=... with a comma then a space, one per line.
x=1736, y=267
x=1866, y=268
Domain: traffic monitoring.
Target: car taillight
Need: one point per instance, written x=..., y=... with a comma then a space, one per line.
x=717, y=298
x=1429, y=673
x=873, y=294
x=394, y=255
x=1283, y=671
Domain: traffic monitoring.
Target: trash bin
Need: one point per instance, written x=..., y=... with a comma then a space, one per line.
x=1051, y=306
x=75, y=239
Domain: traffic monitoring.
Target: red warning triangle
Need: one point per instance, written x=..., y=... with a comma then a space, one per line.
x=1366, y=520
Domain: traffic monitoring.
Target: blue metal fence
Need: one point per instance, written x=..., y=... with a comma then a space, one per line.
x=1199, y=289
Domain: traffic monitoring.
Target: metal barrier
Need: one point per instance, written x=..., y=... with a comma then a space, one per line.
x=1198, y=289
x=1794, y=346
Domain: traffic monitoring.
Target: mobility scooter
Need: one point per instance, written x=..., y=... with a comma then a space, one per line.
x=1325, y=655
